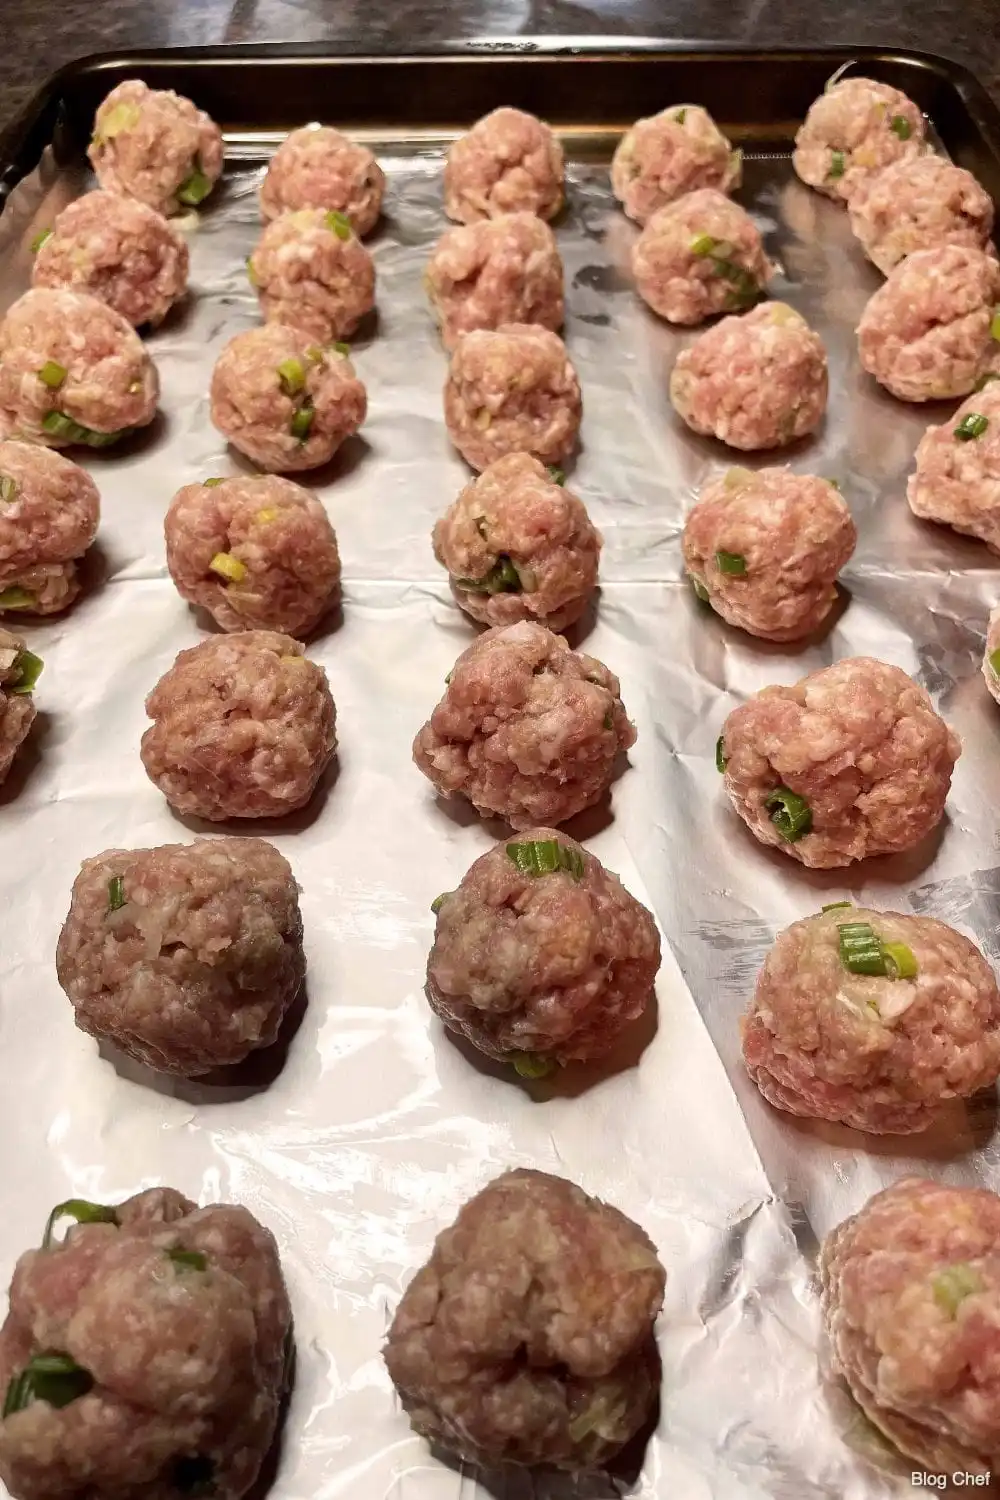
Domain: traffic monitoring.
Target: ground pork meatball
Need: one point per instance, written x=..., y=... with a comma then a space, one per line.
x=917, y=204
x=856, y=128
x=147, y=1354
x=317, y=167
x=930, y=334
x=508, y=163
x=527, y=729
x=541, y=957
x=699, y=256
x=850, y=761
x=873, y=1019
x=911, y=1306
x=313, y=274
x=119, y=251
x=72, y=371
x=664, y=156
x=764, y=547
x=188, y=956
x=957, y=476
x=243, y=727
x=755, y=381
x=512, y=390
x=258, y=553
x=496, y=271
x=519, y=546
x=991, y=656
x=155, y=145
x=527, y=1338
x=49, y=510
x=19, y=670
x=285, y=402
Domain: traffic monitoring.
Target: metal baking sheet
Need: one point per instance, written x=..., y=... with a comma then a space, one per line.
x=358, y=1142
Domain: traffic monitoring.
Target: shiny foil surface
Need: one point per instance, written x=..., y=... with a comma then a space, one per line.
x=359, y=1140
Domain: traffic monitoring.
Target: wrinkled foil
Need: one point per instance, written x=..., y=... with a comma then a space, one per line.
x=358, y=1140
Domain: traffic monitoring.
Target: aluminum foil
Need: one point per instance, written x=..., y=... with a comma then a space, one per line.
x=358, y=1142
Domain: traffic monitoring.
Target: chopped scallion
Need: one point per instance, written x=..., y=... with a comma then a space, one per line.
x=211, y=483
x=52, y=374
x=838, y=162
x=83, y=1211
x=952, y=1285
x=196, y=188
x=531, y=1065
x=252, y=276
x=900, y=125
x=861, y=949
x=439, y=901
x=790, y=813
x=971, y=427
x=16, y=598
x=836, y=905
x=721, y=758
x=302, y=421
x=9, y=489
x=703, y=244
x=228, y=566
x=339, y=223
x=995, y=326
x=39, y=240
x=292, y=376
x=58, y=424
x=900, y=961
x=189, y=1260
x=267, y=515
x=680, y=115
x=995, y=662
x=116, y=893
x=556, y=475
x=544, y=857
x=701, y=592
x=734, y=564
x=27, y=669
x=51, y=1377
x=503, y=578
x=343, y=349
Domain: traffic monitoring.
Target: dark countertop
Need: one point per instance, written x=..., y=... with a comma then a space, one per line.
x=41, y=35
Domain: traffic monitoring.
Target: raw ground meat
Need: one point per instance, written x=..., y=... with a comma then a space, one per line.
x=49, y=512
x=509, y=162
x=919, y=203
x=155, y=145
x=512, y=390
x=856, y=128
x=699, y=256
x=666, y=155
x=17, y=707
x=495, y=271
x=312, y=273
x=317, y=167
x=956, y=481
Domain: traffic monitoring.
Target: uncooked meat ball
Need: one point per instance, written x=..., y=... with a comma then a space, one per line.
x=911, y=1304
x=850, y=761
x=917, y=204
x=527, y=1338
x=991, y=656
x=856, y=128
x=756, y=381
x=519, y=546
x=243, y=727
x=147, y=1354
x=19, y=671
x=286, y=403
x=258, y=553
x=541, y=957
x=764, y=547
x=119, y=251
x=664, y=156
x=72, y=371
x=931, y=333
x=313, y=274
x=509, y=162
x=956, y=481
x=317, y=167
x=873, y=1019
x=188, y=956
x=512, y=390
x=527, y=729
x=699, y=256
x=49, y=510
x=496, y=271
x=155, y=145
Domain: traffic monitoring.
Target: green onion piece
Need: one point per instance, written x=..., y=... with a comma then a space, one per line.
x=701, y=591
x=721, y=758
x=82, y=1211
x=900, y=125
x=680, y=116
x=836, y=905
x=790, y=813
x=252, y=276
x=302, y=420
x=120, y=117
x=193, y=1475
x=229, y=567
x=732, y=563
x=530, y=1065
x=861, y=949
x=27, y=670
x=116, y=893
x=292, y=375
x=544, y=857
x=57, y=424
x=837, y=164
x=900, y=961
x=984, y=380
x=52, y=374
x=952, y=1285
x=556, y=475
x=9, y=489
x=503, y=578
x=703, y=244
x=16, y=598
x=189, y=1260
x=196, y=188
x=439, y=901
x=54, y=1378
x=995, y=326
x=971, y=427
x=341, y=348
x=211, y=483
x=39, y=240
x=835, y=483
x=995, y=662
x=339, y=223
x=448, y=678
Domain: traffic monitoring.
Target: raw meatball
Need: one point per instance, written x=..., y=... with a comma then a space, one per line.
x=850, y=761
x=49, y=510
x=243, y=727
x=155, y=145
x=756, y=381
x=188, y=956
x=917, y=204
x=317, y=167
x=72, y=371
x=146, y=1355
x=518, y=546
x=283, y=401
x=512, y=390
x=699, y=256
x=764, y=548
x=856, y=128
x=527, y=729
x=667, y=155
x=119, y=251
x=496, y=271
x=19, y=669
x=931, y=332
x=541, y=966
x=313, y=274
x=911, y=1304
x=991, y=656
x=258, y=553
x=509, y=162
x=957, y=476
x=873, y=1028
x=527, y=1338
